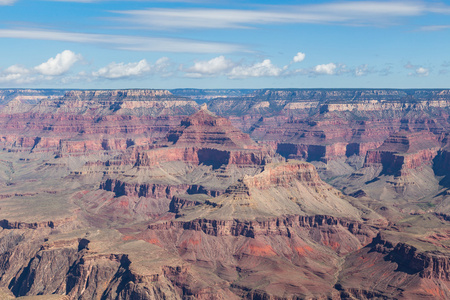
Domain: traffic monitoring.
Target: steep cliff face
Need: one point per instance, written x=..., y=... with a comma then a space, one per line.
x=331, y=140
x=284, y=175
x=80, y=134
x=107, y=102
x=90, y=121
x=206, y=156
x=404, y=151
x=400, y=271
x=310, y=100
x=204, y=129
x=247, y=252
x=203, y=140
x=143, y=190
x=441, y=165
x=27, y=97
x=402, y=168
x=327, y=125
x=33, y=265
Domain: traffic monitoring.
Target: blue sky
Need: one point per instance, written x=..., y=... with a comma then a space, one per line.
x=227, y=44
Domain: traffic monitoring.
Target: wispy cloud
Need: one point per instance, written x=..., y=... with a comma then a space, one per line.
x=155, y=1
x=7, y=2
x=374, y=13
x=417, y=70
x=133, y=43
x=434, y=27
x=362, y=70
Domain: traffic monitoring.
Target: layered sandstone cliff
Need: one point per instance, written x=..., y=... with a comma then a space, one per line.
x=120, y=194
x=90, y=121
x=399, y=269
x=404, y=151
x=280, y=189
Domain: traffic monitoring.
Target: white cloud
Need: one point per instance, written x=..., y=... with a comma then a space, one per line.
x=212, y=67
x=49, y=70
x=422, y=72
x=123, y=42
x=59, y=64
x=15, y=78
x=16, y=74
x=122, y=70
x=262, y=69
x=7, y=2
x=17, y=69
x=325, y=69
x=55, y=71
x=299, y=57
x=221, y=66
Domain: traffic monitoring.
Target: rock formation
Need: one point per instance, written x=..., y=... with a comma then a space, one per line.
x=90, y=121
x=225, y=194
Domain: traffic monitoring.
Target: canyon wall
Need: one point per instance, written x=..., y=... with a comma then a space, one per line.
x=145, y=194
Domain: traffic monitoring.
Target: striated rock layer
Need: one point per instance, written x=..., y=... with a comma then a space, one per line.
x=137, y=194
x=404, y=151
x=81, y=122
x=417, y=274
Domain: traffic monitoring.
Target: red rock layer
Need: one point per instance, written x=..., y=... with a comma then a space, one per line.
x=395, y=270
x=34, y=267
x=404, y=151
x=80, y=134
x=284, y=175
x=204, y=138
x=268, y=227
x=204, y=129
x=143, y=190
x=246, y=253
x=207, y=156
x=83, y=121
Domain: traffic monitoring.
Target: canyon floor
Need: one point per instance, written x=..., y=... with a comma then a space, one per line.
x=225, y=194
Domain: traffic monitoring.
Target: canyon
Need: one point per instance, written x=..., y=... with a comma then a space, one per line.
x=225, y=194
